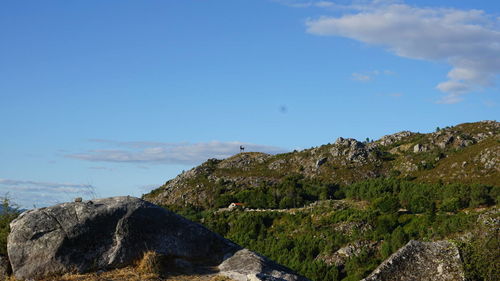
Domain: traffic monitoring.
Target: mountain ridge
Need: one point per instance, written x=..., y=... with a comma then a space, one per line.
x=465, y=153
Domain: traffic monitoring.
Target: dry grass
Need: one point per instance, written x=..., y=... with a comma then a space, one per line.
x=152, y=267
x=131, y=274
x=152, y=263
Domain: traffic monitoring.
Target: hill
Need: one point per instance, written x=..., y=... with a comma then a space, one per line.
x=337, y=211
x=466, y=153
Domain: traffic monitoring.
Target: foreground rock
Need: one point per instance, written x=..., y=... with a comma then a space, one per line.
x=112, y=233
x=437, y=261
x=246, y=265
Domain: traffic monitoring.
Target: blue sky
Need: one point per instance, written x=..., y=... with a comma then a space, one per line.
x=103, y=98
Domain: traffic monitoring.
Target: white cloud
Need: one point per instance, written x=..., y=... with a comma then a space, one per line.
x=25, y=192
x=361, y=77
x=169, y=153
x=467, y=40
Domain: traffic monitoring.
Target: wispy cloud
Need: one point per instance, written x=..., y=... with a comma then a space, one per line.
x=101, y=168
x=370, y=75
x=396, y=95
x=168, y=153
x=361, y=77
x=489, y=103
x=468, y=40
x=25, y=192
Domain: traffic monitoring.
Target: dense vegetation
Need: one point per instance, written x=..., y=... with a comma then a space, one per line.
x=386, y=212
x=8, y=212
x=292, y=192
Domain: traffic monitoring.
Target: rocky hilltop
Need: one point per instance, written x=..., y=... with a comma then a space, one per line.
x=466, y=153
x=105, y=234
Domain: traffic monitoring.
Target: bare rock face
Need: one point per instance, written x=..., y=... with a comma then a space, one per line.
x=103, y=234
x=437, y=261
x=351, y=150
x=246, y=265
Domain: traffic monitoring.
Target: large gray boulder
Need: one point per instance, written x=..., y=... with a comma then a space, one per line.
x=104, y=234
x=421, y=261
x=246, y=265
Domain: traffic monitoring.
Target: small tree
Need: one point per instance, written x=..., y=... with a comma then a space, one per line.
x=8, y=213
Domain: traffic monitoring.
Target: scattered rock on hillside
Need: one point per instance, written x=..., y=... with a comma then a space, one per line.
x=321, y=162
x=394, y=138
x=419, y=148
x=342, y=255
x=490, y=158
x=424, y=261
x=244, y=160
x=105, y=234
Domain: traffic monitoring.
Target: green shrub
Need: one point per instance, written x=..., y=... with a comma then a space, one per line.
x=8, y=213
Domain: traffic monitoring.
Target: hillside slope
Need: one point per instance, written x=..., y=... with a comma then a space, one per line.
x=468, y=153
x=337, y=211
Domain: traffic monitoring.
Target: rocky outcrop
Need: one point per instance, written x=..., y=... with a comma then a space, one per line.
x=351, y=150
x=489, y=158
x=419, y=148
x=107, y=233
x=246, y=265
x=424, y=261
x=342, y=255
x=320, y=162
x=394, y=138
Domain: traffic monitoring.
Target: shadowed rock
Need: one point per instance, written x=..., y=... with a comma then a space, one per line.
x=109, y=233
x=4, y=267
